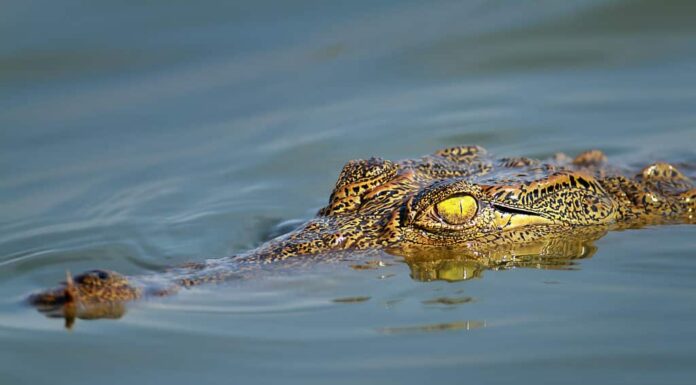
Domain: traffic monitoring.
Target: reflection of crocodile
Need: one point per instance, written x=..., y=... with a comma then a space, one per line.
x=456, y=202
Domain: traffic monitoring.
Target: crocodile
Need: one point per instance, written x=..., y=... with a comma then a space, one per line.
x=459, y=203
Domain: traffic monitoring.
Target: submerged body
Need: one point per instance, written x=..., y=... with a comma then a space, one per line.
x=458, y=201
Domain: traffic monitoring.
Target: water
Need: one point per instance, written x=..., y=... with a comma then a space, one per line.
x=139, y=135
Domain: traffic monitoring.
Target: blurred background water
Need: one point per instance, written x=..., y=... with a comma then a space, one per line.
x=141, y=134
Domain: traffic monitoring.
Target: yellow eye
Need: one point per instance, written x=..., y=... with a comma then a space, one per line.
x=457, y=210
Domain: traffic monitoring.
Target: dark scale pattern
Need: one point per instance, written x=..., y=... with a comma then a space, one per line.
x=523, y=206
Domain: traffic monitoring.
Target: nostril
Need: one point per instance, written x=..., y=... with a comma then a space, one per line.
x=92, y=276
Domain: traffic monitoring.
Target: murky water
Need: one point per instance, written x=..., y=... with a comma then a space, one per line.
x=139, y=135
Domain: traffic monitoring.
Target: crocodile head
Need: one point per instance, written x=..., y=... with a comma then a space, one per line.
x=455, y=198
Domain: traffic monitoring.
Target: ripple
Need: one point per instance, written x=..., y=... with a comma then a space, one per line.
x=430, y=328
x=357, y=299
x=450, y=301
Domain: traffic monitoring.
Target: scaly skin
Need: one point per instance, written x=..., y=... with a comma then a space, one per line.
x=457, y=202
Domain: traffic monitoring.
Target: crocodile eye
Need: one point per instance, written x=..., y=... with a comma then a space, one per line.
x=457, y=210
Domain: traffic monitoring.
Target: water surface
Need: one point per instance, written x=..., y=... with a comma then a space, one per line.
x=139, y=135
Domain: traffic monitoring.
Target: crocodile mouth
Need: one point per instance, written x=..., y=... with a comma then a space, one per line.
x=510, y=218
x=515, y=210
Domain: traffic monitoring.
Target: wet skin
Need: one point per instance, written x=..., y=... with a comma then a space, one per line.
x=449, y=215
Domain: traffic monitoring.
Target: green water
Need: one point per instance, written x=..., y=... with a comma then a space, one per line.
x=142, y=134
